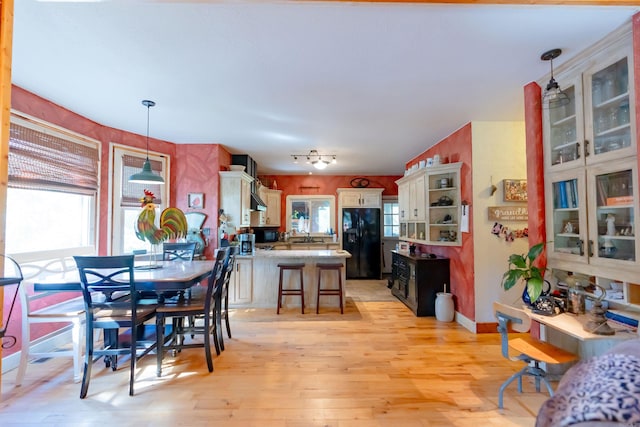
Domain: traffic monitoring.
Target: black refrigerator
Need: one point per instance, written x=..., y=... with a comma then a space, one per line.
x=361, y=238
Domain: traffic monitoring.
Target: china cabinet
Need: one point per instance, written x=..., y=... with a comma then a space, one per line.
x=591, y=166
x=360, y=197
x=429, y=204
x=235, y=198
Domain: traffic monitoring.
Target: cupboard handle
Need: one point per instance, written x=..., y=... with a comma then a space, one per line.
x=590, y=248
x=586, y=148
x=581, y=246
x=415, y=212
x=577, y=150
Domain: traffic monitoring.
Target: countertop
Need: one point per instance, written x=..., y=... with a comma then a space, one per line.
x=301, y=253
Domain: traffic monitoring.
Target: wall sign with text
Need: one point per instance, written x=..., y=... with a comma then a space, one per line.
x=508, y=213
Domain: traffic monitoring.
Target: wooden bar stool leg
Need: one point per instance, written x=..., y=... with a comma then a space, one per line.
x=280, y=291
x=301, y=292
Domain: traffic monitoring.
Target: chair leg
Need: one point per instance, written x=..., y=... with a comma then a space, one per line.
x=226, y=315
x=504, y=385
x=88, y=359
x=24, y=352
x=134, y=356
x=217, y=317
x=76, y=338
x=159, y=343
x=207, y=342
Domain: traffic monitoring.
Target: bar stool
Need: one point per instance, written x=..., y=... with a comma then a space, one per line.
x=295, y=291
x=329, y=291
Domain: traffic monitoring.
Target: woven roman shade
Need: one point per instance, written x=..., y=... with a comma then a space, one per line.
x=44, y=160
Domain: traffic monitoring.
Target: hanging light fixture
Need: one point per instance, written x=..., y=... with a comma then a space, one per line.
x=317, y=160
x=146, y=176
x=553, y=96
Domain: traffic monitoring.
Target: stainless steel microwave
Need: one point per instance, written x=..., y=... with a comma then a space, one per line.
x=266, y=235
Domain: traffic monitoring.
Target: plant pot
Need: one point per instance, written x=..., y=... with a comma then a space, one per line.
x=525, y=293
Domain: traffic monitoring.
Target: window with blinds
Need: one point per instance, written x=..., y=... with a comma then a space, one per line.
x=54, y=177
x=125, y=197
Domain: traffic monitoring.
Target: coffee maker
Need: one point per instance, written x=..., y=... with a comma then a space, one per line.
x=247, y=243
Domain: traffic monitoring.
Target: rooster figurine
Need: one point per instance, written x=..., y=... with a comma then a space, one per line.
x=173, y=223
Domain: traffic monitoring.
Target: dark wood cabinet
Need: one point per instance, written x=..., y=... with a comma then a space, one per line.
x=415, y=280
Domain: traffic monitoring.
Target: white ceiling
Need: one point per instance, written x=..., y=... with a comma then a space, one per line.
x=375, y=84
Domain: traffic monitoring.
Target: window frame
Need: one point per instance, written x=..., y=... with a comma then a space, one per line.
x=25, y=120
x=392, y=225
x=299, y=198
x=116, y=217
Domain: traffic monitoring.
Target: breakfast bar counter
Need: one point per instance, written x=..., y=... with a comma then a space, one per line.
x=266, y=275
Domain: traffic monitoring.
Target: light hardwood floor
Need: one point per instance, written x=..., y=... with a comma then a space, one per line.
x=376, y=365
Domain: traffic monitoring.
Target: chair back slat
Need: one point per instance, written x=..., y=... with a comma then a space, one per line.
x=183, y=251
x=111, y=276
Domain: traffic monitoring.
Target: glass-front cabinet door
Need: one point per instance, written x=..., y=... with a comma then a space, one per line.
x=565, y=129
x=567, y=214
x=612, y=217
x=610, y=109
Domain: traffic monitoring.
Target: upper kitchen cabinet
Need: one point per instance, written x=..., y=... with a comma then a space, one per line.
x=598, y=124
x=591, y=165
x=429, y=203
x=273, y=199
x=235, y=198
x=360, y=197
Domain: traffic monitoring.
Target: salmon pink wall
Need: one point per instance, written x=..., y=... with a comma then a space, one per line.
x=323, y=184
x=197, y=165
x=187, y=163
x=457, y=148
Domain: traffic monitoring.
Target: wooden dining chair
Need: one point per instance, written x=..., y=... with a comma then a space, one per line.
x=111, y=305
x=532, y=351
x=222, y=298
x=199, y=306
x=183, y=251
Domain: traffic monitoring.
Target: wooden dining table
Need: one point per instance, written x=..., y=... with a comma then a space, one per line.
x=170, y=276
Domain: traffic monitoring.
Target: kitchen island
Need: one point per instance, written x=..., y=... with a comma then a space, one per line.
x=265, y=276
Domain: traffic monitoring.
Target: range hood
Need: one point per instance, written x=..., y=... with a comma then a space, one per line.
x=257, y=204
x=251, y=168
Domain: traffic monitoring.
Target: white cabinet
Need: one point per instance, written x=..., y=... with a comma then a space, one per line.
x=235, y=198
x=591, y=167
x=360, y=197
x=241, y=282
x=429, y=204
x=598, y=124
x=444, y=205
x=273, y=199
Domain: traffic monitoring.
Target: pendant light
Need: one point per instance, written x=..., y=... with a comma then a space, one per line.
x=553, y=96
x=146, y=176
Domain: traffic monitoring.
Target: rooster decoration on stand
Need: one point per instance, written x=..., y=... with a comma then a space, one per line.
x=173, y=224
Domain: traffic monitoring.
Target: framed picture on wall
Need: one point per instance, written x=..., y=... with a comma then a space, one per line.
x=196, y=200
x=515, y=190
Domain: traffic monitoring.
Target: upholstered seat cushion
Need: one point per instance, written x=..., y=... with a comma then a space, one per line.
x=602, y=389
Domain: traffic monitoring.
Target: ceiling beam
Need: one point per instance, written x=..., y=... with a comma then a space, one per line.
x=505, y=2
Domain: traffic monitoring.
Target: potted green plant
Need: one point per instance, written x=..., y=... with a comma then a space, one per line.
x=522, y=267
